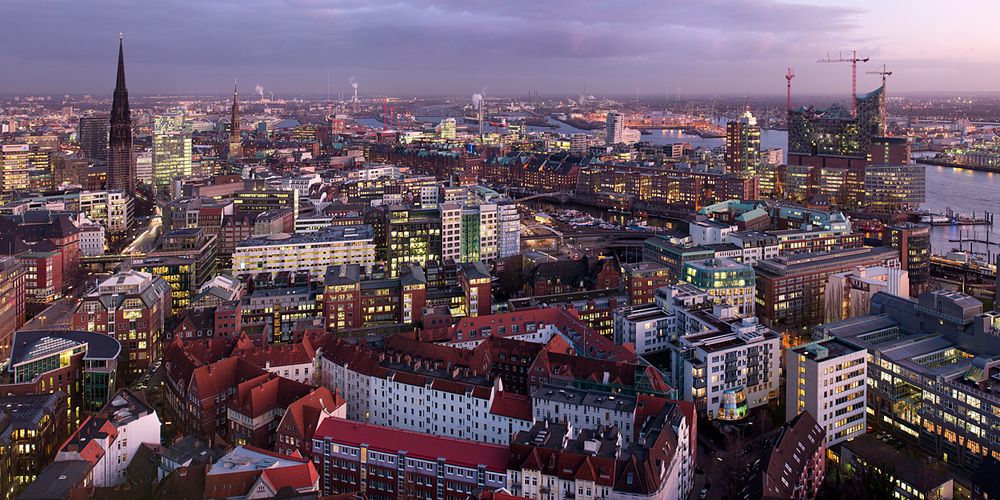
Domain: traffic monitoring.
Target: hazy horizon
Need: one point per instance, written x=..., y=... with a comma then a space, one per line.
x=452, y=47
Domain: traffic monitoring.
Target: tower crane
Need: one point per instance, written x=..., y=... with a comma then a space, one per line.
x=854, y=60
x=788, y=78
x=885, y=112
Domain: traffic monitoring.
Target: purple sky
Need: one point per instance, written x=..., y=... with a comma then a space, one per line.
x=500, y=47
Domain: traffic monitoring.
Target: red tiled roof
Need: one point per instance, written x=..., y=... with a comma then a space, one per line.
x=512, y=405
x=222, y=375
x=416, y=444
x=264, y=393
x=276, y=355
x=233, y=484
x=297, y=477
x=305, y=413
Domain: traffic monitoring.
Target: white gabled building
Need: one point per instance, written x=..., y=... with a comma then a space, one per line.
x=110, y=439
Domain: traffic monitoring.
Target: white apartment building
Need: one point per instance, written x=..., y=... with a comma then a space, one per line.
x=92, y=238
x=727, y=373
x=755, y=246
x=723, y=363
x=429, y=196
x=485, y=227
x=647, y=328
x=709, y=232
x=372, y=171
x=312, y=252
x=113, y=209
x=419, y=403
x=583, y=409
x=451, y=231
x=508, y=229
x=849, y=294
x=302, y=184
x=827, y=378
x=113, y=438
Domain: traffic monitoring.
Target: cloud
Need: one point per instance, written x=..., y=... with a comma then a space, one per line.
x=415, y=45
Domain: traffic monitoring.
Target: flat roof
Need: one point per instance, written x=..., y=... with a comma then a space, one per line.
x=31, y=345
x=571, y=395
x=56, y=480
x=354, y=232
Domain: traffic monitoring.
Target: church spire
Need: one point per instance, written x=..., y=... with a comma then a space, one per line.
x=234, y=126
x=121, y=170
x=120, y=84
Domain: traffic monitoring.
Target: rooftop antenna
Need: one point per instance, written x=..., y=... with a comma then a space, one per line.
x=854, y=60
x=885, y=111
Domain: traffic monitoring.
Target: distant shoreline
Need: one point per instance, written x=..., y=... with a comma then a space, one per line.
x=949, y=164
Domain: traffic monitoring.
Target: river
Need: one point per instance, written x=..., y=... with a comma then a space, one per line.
x=965, y=191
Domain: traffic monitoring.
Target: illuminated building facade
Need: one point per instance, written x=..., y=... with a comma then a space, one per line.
x=412, y=236
x=171, y=149
x=113, y=209
x=132, y=307
x=614, y=128
x=725, y=364
x=24, y=167
x=931, y=375
x=83, y=365
x=312, y=252
x=743, y=144
x=31, y=429
x=92, y=135
x=827, y=378
x=446, y=129
x=791, y=289
x=832, y=137
x=726, y=282
x=914, y=244
x=12, y=301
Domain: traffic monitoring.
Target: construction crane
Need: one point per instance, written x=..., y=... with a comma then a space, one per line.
x=854, y=60
x=788, y=78
x=885, y=111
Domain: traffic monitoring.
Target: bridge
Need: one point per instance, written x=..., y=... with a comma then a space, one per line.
x=108, y=261
x=612, y=237
x=554, y=232
x=562, y=196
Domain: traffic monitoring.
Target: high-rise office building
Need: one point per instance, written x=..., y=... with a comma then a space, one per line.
x=743, y=144
x=446, y=129
x=579, y=143
x=891, y=182
x=171, y=149
x=93, y=137
x=412, y=235
x=23, y=166
x=235, y=141
x=614, y=128
x=121, y=169
x=914, y=244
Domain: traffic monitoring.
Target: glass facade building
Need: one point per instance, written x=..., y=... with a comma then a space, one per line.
x=171, y=148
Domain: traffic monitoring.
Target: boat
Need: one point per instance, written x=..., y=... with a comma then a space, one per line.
x=934, y=219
